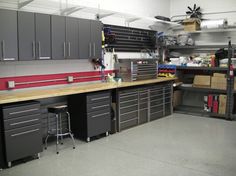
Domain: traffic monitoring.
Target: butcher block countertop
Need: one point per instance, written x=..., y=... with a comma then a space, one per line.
x=34, y=94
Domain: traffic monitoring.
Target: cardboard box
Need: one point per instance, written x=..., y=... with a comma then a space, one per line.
x=218, y=83
x=177, y=98
x=222, y=104
x=191, y=24
x=202, y=81
x=219, y=75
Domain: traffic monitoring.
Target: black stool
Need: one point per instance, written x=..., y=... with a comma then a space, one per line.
x=58, y=110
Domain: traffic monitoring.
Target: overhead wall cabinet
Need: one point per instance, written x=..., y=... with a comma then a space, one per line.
x=33, y=36
x=8, y=35
x=90, y=39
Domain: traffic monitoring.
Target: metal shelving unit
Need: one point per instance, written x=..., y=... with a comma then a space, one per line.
x=209, y=70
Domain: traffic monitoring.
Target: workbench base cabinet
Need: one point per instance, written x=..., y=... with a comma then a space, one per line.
x=90, y=114
x=22, y=130
x=143, y=104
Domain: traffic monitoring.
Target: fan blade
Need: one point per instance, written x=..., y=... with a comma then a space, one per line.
x=198, y=9
x=199, y=13
x=188, y=12
x=194, y=8
x=190, y=8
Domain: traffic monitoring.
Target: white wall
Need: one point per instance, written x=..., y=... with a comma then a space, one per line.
x=179, y=7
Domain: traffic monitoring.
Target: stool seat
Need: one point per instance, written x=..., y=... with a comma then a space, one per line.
x=58, y=109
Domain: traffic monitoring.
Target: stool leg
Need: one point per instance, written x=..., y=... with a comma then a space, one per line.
x=69, y=128
x=60, y=126
x=57, y=134
x=48, y=132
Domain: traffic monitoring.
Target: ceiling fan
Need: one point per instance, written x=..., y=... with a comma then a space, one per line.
x=194, y=12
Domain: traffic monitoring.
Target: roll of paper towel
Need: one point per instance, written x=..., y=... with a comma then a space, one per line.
x=214, y=24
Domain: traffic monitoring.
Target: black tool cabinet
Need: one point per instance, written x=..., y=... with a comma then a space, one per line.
x=136, y=106
x=21, y=130
x=90, y=114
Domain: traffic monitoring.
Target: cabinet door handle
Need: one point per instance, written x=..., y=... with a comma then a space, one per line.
x=33, y=48
x=39, y=49
x=90, y=48
x=68, y=48
x=64, y=49
x=94, y=46
x=26, y=132
x=3, y=49
x=19, y=112
x=100, y=114
x=26, y=121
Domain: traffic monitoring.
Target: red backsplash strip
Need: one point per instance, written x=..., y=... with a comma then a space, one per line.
x=51, y=79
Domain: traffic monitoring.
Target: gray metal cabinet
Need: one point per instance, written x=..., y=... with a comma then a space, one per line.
x=85, y=46
x=8, y=35
x=90, y=39
x=72, y=38
x=26, y=36
x=58, y=38
x=96, y=39
x=90, y=114
x=22, y=130
x=143, y=104
x=43, y=36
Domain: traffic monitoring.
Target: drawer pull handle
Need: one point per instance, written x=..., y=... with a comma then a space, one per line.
x=19, y=112
x=100, y=114
x=27, y=121
x=100, y=98
x=96, y=107
x=26, y=132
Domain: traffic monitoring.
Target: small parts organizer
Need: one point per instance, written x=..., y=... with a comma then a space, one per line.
x=168, y=71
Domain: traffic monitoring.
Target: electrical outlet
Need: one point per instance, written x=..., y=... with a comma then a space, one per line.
x=70, y=79
x=11, y=84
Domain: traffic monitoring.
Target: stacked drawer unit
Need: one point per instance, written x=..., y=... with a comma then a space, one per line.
x=160, y=101
x=128, y=108
x=143, y=105
x=90, y=114
x=22, y=130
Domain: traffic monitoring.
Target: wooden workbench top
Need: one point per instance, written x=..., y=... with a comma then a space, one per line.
x=24, y=95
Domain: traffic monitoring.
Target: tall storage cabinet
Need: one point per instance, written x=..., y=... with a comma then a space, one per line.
x=96, y=39
x=8, y=35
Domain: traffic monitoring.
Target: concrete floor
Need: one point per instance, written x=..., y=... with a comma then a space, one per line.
x=178, y=145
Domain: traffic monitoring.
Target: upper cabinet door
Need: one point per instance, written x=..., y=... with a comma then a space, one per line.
x=26, y=36
x=85, y=46
x=8, y=35
x=96, y=39
x=72, y=38
x=43, y=36
x=58, y=27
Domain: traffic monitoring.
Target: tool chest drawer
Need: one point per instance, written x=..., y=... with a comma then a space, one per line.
x=22, y=121
x=20, y=109
x=98, y=97
x=99, y=105
x=22, y=142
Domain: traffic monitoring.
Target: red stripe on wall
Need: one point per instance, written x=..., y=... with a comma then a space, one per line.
x=51, y=79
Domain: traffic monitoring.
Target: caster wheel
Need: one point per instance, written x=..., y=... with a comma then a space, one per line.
x=57, y=152
x=45, y=148
x=73, y=147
